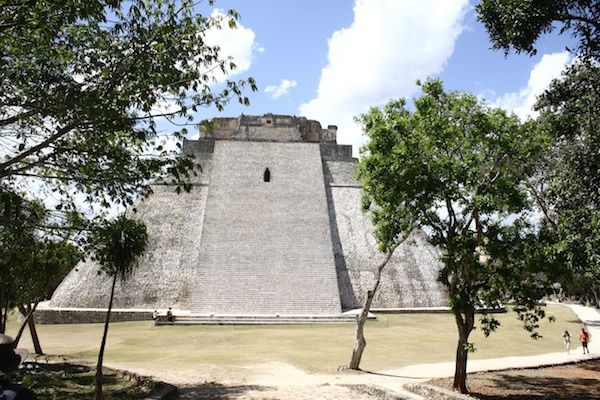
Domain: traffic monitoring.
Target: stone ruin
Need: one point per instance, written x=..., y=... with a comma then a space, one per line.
x=272, y=226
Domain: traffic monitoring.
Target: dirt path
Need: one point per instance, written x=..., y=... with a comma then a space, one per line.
x=277, y=380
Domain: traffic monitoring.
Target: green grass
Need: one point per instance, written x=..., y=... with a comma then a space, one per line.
x=393, y=341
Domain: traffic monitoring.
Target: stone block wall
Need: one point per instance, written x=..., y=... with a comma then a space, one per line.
x=266, y=246
x=409, y=279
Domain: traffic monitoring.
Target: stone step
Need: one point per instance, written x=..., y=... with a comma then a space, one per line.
x=253, y=320
x=266, y=246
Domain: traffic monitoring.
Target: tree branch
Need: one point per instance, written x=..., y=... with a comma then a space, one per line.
x=60, y=133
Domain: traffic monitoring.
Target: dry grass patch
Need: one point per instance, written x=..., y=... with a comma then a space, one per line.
x=394, y=340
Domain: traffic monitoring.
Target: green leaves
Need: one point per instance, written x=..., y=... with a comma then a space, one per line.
x=571, y=172
x=518, y=24
x=82, y=82
x=117, y=244
x=457, y=168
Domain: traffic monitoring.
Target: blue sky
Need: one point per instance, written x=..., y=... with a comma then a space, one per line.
x=331, y=59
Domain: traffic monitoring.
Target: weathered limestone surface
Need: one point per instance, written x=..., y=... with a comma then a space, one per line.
x=297, y=245
x=266, y=246
x=409, y=279
x=164, y=277
x=271, y=128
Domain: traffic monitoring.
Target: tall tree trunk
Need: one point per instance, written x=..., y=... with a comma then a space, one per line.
x=361, y=343
x=3, y=311
x=26, y=310
x=98, y=388
x=595, y=293
x=465, y=326
x=28, y=315
x=3, y=317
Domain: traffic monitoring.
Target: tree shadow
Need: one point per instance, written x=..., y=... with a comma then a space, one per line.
x=216, y=391
x=521, y=387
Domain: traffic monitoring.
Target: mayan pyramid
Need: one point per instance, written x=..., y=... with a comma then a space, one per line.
x=272, y=226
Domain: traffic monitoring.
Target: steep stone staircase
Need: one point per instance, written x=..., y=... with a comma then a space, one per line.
x=266, y=244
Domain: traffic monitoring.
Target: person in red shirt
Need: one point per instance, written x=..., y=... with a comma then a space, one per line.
x=584, y=337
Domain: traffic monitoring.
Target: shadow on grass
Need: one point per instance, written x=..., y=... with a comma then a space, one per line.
x=216, y=391
x=392, y=375
x=64, y=381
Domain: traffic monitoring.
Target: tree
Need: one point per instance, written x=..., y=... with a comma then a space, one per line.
x=457, y=168
x=565, y=185
x=18, y=242
x=82, y=82
x=31, y=265
x=517, y=24
x=117, y=245
x=50, y=262
x=569, y=183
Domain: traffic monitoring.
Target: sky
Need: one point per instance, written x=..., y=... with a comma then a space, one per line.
x=330, y=60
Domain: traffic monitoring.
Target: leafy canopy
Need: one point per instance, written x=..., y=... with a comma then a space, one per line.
x=456, y=168
x=518, y=24
x=82, y=82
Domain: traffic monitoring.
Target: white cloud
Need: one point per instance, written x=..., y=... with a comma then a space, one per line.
x=522, y=101
x=389, y=45
x=283, y=88
x=237, y=43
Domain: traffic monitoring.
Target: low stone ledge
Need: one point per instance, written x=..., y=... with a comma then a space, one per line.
x=71, y=316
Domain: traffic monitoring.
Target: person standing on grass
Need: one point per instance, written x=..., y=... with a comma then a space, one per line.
x=584, y=337
x=567, y=340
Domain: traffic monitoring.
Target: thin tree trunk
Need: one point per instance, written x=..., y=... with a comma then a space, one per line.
x=98, y=388
x=361, y=343
x=3, y=317
x=464, y=330
x=595, y=293
x=28, y=315
x=3, y=311
x=37, y=347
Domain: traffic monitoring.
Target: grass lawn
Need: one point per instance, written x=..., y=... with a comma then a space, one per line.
x=393, y=341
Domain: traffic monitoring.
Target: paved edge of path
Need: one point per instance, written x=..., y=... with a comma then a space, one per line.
x=589, y=316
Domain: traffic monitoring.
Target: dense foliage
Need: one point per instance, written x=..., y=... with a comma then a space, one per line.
x=31, y=265
x=517, y=24
x=570, y=183
x=566, y=184
x=457, y=169
x=81, y=89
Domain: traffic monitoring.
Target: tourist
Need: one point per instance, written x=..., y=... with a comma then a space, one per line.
x=567, y=340
x=155, y=315
x=169, y=315
x=584, y=337
x=10, y=359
